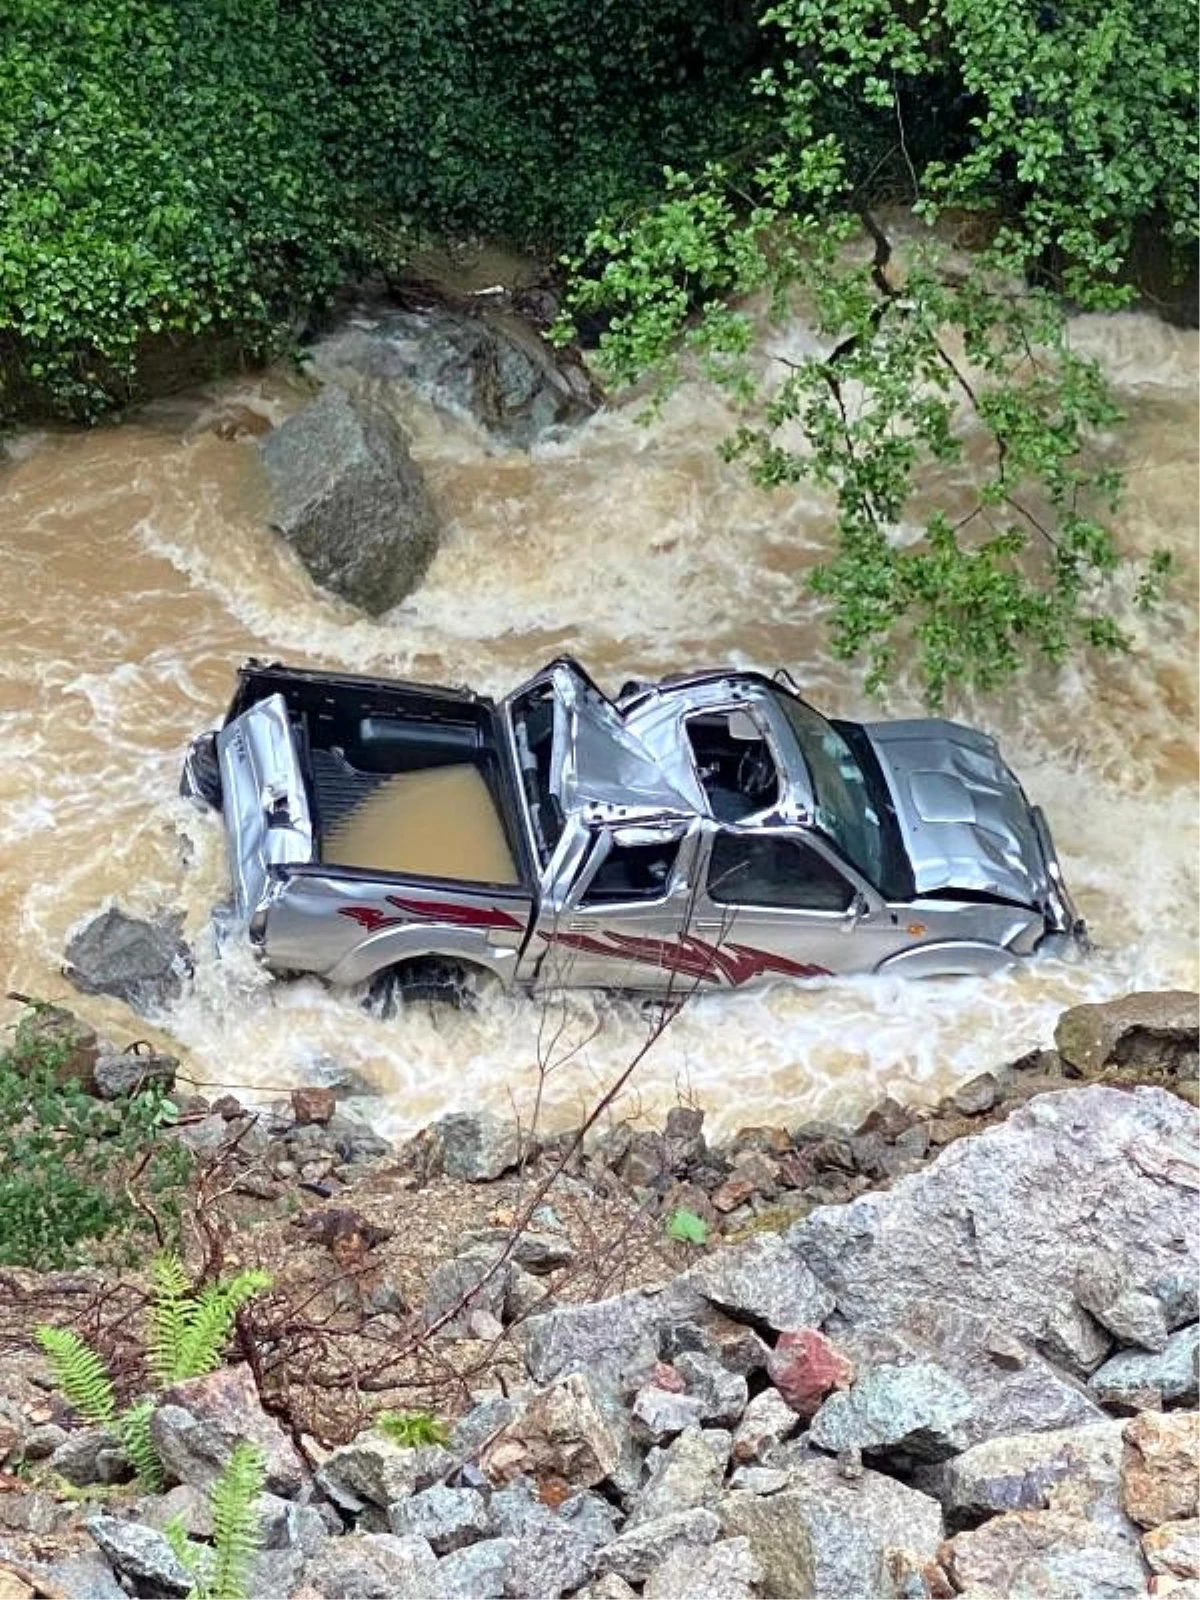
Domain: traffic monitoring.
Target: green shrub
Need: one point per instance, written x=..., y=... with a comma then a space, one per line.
x=78, y=1175
x=178, y=174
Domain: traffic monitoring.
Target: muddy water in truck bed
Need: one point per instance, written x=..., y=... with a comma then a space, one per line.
x=137, y=573
x=442, y=823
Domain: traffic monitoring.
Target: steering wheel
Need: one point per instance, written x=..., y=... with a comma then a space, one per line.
x=756, y=773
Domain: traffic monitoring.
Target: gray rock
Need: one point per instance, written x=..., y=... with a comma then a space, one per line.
x=607, y=1587
x=1179, y=1295
x=475, y=1145
x=447, y=1518
x=184, y=1504
x=131, y=1070
x=141, y=961
x=977, y=1095
x=585, y=1516
x=763, y=1281
x=635, y=1553
x=202, y=1419
x=760, y=1480
x=997, y=1225
x=140, y=1553
x=276, y=1572
x=472, y=1282
x=548, y=1559
x=723, y=1393
x=371, y=1470
x=620, y=1334
x=689, y=1472
x=1005, y=1397
x=726, y=1569
x=35, y=1512
x=43, y=1440
x=90, y=1455
x=661, y=1413
x=561, y=1433
x=537, y=1250
x=349, y=499
x=524, y=1295
x=490, y=366
x=1068, y=1469
x=1147, y=1033
x=829, y=1538
x=374, y=1566
x=1075, y=1340
x=486, y=1417
x=478, y=1571
x=1044, y=1555
x=767, y=1420
x=1104, y=1287
x=86, y=1576
x=919, y=1409
x=1136, y=1379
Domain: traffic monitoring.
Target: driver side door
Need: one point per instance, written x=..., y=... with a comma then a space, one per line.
x=776, y=903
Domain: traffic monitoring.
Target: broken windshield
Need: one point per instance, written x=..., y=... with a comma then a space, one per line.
x=846, y=809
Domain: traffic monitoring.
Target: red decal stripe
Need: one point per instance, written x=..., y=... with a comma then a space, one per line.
x=691, y=957
x=372, y=919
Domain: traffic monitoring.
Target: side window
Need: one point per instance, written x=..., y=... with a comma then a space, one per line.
x=633, y=872
x=771, y=870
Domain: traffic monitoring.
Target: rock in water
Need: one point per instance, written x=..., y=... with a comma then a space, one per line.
x=140, y=961
x=486, y=365
x=349, y=499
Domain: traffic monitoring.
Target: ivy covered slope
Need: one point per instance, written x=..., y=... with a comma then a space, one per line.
x=196, y=173
x=1061, y=127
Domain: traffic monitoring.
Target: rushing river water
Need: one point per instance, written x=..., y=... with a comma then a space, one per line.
x=137, y=574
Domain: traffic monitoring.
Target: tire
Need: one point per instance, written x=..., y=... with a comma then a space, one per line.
x=433, y=981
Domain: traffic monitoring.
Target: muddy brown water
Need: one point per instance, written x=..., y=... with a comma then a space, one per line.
x=138, y=573
x=444, y=823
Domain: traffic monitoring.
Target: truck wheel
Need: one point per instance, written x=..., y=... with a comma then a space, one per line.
x=433, y=981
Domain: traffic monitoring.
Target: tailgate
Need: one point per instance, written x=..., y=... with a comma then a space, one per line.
x=267, y=819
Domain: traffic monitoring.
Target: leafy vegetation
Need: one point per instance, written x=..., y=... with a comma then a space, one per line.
x=687, y=1227
x=961, y=437
x=78, y=1175
x=185, y=178
x=188, y=1334
x=223, y=1573
x=412, y=1428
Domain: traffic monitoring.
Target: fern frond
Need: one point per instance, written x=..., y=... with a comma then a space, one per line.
x=234, y=1503
x=169, y=1317
x=140, y=1447
x=79, y=1373
x=210, y=1318
x=189, y=1558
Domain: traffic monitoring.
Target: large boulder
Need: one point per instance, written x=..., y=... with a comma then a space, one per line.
x=142, y=961
x=482, y=364
x=200, y=1421
x=1150, y=1037
x=349, y=499
x=999, y=1224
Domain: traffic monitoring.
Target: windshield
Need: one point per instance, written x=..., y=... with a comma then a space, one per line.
x=846, y=811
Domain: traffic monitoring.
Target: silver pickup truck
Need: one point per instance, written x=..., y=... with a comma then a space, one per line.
x=700, y=832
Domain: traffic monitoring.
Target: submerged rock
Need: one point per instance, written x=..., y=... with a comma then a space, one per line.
x=350, y=500
x=142, y=961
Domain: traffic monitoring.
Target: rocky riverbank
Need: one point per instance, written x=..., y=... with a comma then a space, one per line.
x=948, y=1351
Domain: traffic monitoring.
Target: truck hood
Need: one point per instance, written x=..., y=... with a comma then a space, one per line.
x=964, y=818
